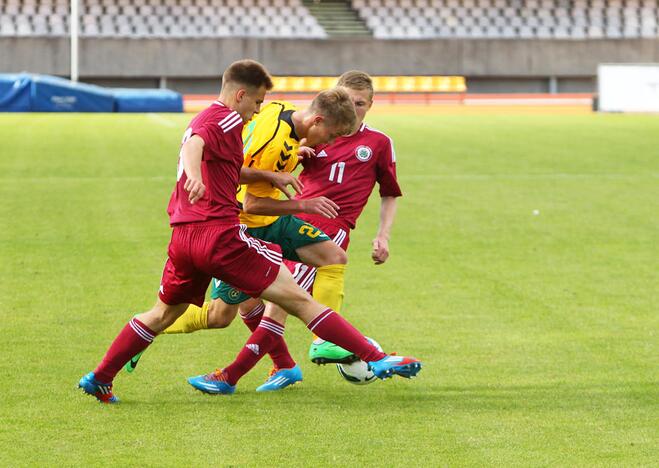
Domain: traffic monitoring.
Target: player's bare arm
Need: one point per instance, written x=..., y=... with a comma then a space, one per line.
x=279, y=180
x=191, y=153
x=380, y=252
x=270, y=207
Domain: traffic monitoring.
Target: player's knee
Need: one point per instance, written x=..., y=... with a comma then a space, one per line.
x=337, y=256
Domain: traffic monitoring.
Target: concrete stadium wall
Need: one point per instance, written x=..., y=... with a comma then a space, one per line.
x=194, y=65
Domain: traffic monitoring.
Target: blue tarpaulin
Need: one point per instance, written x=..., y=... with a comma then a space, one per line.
x=42, y=93
x=147, y=100
x=52, y=94
x=15, y=93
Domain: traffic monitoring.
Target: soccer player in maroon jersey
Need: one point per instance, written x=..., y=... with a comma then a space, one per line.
x=208, y=241
x=345, y=172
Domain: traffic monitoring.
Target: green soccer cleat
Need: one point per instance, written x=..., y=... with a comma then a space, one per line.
x=324, y=352
x=132, y=364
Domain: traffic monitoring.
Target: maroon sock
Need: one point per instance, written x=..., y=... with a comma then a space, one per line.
x=257, y=346
x=134, y=338
x=279, y=353
x=253, y=317
x=332, y=327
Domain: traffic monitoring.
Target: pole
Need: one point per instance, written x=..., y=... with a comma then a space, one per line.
x=75, y=21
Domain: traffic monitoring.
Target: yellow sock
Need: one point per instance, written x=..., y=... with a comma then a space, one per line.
x=194, y=318
x=328, y=286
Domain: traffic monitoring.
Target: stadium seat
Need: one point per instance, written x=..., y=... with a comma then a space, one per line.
x=387, y=19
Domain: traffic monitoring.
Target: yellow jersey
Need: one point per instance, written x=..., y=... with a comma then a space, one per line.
x=269, y=143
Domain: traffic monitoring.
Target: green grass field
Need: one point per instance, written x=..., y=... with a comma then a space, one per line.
x=539, y=332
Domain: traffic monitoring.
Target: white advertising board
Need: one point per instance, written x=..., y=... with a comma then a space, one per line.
x=628, y=87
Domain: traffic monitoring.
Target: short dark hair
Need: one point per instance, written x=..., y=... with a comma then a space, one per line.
x=357, y=80
x=337, y=108
x=247, y=73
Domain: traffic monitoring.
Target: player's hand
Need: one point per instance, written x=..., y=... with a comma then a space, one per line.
x=195, y=189
x=282, y=180
x=380, y=252
x=306, y=152
x=322, y=206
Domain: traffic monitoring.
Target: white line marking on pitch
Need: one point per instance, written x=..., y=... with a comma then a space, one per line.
x=88, y=179
x=159, y=119
x=557, y=175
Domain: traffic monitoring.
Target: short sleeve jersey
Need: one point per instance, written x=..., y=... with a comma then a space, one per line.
x=220, y=128
x=347, y=170
x=269, y=143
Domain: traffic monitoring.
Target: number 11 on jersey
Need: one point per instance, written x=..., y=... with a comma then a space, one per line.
x=338, y=173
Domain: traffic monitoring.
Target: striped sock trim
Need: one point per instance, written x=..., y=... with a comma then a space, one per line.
x=141, y=330
x=322, y=316
x=258, y=310
x=272, y=326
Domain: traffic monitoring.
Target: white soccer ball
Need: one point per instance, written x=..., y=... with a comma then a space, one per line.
x=357, y=372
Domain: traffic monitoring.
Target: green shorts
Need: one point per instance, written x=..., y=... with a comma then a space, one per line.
x=290, y=233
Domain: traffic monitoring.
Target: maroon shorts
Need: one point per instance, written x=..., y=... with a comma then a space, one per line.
x=304, y=274
x=201, y=251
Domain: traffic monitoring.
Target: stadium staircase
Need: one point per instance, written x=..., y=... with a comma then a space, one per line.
x=337, y=18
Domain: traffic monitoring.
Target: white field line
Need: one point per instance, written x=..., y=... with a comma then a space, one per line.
x=160, y=120
x=548, y=176
x=494, y=101
x=91, y=178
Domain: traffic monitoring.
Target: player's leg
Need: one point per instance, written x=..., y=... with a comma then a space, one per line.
x=325, y=260
x=328, y=289
x=133, y=339
x=319, y=319
x=332, y=327
x=330, y=262
x=213, y=314
x=218, y=313
x=251, y=312
x=255, y=264
x=315, y=248
x=285, y=372
x=181, y=284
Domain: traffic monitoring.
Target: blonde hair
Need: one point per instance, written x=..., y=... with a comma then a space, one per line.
x=337, y=108
x=357, y=80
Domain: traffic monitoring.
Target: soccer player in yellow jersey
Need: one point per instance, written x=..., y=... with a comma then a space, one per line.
x=270, y=143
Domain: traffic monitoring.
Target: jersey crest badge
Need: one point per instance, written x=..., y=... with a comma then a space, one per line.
x=363, y=153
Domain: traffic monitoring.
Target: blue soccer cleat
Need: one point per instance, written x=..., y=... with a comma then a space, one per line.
x=213, y=383
x=281, y=378
x=102, y=392
x=389, y=365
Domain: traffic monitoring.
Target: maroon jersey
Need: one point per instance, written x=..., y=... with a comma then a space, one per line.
x=221, y=129
x=346, y=172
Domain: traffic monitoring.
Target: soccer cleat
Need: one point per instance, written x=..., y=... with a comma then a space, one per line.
x=389, y=365
x=132, y=364
x=281, y=378
x=325, y=352
x=102, y=392
x=213, y=383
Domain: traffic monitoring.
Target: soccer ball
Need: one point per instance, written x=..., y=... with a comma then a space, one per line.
x=357, y=372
